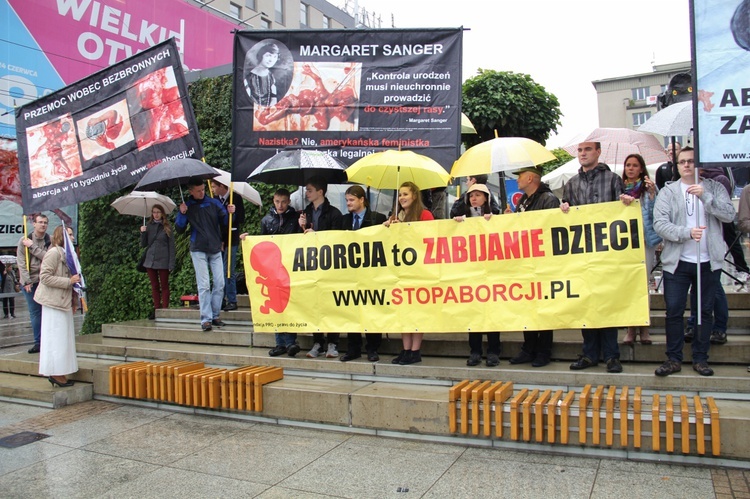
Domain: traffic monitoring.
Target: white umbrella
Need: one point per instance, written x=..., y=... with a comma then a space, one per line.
x=672, y=121
x=618, y=143
x=140, y=203
x=245, y=190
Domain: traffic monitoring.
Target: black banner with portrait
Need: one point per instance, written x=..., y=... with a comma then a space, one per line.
x=349, y=93
x=104, y=132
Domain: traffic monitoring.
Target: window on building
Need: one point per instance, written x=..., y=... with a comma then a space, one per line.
x=640, y=118
x=304, y=19
x=663, y=89
x=326, y=22
x=235, y=10
x=279, y=11
x=265, y=24
x=641, y=93
x=251, y=4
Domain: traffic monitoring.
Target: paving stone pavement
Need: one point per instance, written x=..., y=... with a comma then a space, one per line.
x=104, y=449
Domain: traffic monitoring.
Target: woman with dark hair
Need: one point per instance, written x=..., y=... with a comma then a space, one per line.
x=638, y=185
x=158, y=240
x=410, y=209
x=57, y=356
x=260, y=82
x=479, y=206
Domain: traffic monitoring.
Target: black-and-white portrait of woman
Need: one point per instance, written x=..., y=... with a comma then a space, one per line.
x=267, y=72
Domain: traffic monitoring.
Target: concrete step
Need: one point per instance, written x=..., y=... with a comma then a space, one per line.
x=193, y=315
x=567, y=343
x=97, y=354
x=36, y=390
x=737, y=300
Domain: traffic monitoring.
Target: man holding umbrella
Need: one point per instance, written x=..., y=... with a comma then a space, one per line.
x=688, y=216
x=208, y=219
x=595, y=183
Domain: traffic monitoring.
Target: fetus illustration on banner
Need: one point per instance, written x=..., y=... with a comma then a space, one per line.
x=273, y=278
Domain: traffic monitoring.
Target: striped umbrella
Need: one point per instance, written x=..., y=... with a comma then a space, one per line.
x=618, y=143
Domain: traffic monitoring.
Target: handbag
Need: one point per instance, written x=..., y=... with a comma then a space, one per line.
x=140, y=267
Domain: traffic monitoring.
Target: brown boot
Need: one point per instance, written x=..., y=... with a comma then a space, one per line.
x=645, y=336
x=629, y=336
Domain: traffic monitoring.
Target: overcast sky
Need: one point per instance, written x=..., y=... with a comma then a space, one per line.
x=563, y=44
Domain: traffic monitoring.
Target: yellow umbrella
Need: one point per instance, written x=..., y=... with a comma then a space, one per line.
x=466, y=125
x=499, y=155
x=389, y=169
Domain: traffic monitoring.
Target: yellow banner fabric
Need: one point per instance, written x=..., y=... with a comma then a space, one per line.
x=528, y=271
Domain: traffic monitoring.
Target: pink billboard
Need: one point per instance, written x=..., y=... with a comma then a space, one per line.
x=80, y=37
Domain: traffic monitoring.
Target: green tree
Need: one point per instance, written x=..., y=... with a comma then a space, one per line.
x=512, y=104
x=562, y=158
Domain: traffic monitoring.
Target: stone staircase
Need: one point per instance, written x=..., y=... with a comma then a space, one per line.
x=414, y=402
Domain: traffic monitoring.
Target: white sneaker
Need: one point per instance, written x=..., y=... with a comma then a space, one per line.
x=332, y=353
x=314, y=351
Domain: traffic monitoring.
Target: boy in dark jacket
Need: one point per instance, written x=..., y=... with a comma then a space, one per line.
x=208, y=219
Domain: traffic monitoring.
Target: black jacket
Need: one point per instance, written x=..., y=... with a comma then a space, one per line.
x=666, y=172
x=369, y=219
x=330, y=217
x=542, y=199
x=461, y=206
x=286, y=223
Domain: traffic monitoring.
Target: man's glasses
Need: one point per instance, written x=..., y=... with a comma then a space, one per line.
x=684, y=162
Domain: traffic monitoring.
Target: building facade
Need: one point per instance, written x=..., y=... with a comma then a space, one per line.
x=628, y=101
x=279, y=14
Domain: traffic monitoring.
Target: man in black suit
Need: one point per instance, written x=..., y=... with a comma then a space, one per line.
x=360, y=215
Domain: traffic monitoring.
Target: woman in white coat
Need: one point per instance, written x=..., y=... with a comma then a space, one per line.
x=57, y=358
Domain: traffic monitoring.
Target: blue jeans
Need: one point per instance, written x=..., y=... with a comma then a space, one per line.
x=676, y=289
x=286, y=339
x=35, y=312
x=210, y=300
x=721, y=309
x=231, y=282
x=600, y=341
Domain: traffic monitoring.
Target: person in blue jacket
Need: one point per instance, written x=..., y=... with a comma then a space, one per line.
x=208, y=219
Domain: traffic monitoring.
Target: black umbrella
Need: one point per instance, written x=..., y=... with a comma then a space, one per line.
x=173, y=173
x=297, y=166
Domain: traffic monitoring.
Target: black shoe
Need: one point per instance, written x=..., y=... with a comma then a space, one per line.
x=703, y=369
x=350, y=356
x=412, y=357
x=54, y=382
x=34, y=349
x=718, y=337
x=206, y=326
x=523, y=357
x=540, y=361
x=689, y=332
x=292, y=350
x=582, y=363
x=669, y=367
x=277, y=350
x=230, y=306
x=397, y=358
x=373, y=356
x=614, y=366
x=474, y=359
x=152, y=315
x=218, y=323
x=493, y=360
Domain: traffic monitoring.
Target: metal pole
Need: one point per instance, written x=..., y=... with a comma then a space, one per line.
x=698, y=274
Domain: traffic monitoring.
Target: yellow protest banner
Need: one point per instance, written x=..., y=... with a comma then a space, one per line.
x=527, y=271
